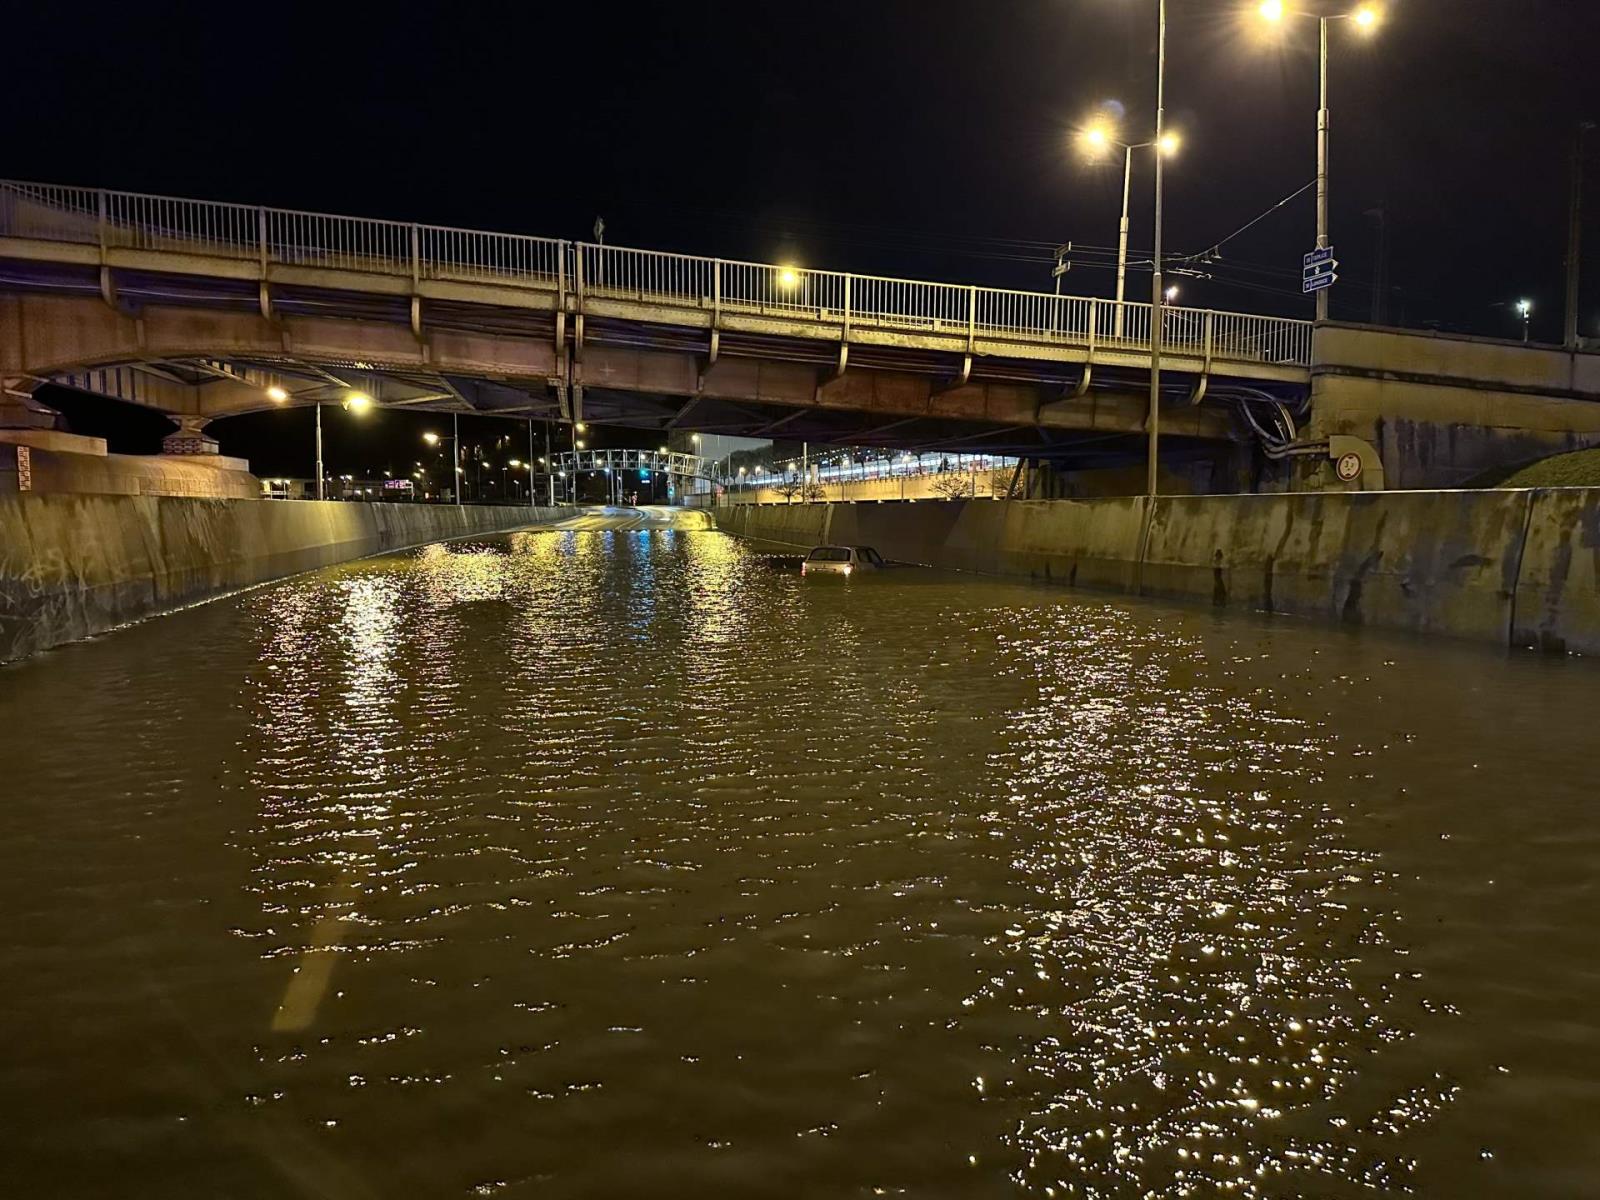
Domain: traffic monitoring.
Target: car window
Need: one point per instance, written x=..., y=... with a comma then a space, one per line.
x=869, y=554
x=830, y=554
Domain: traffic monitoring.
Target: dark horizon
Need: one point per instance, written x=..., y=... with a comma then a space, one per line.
x=929, y=140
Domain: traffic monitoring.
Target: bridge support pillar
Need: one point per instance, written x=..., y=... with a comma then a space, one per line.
x=190, y=437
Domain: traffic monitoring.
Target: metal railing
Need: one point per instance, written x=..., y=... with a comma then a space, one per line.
x=129, y=220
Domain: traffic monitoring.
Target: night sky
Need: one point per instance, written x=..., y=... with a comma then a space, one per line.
x=929, y=138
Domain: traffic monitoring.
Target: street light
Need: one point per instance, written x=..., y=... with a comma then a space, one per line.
x=1366, y=18
x=276, y=394
x=1098, y=137
x=1525, y=311
x=433, y=439
x=1157, y=314
x=357, y=402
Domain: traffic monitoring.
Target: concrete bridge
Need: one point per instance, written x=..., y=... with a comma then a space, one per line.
x=203, y=310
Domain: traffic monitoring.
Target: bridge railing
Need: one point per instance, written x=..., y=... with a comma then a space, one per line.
x=849, y=302
x=618, y=273
x=510, y=258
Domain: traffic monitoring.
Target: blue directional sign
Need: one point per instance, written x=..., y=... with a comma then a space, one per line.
x=1320, y=266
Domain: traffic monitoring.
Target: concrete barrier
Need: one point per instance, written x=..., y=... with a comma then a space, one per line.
x=1558, y=584
x=73, y=566
x=1509, y=567
x=1431, y=562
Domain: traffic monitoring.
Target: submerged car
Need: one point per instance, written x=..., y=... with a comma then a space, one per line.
x=841, y=560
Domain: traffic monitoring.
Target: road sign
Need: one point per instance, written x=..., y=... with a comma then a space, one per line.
x=1320, y=266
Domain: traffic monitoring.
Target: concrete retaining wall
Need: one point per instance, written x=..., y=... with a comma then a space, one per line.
x=73, y=566
x=1517, y=568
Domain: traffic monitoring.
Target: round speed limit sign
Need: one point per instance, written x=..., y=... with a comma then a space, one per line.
x=1349, y=467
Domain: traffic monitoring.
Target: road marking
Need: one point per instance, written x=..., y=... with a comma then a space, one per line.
x=309, y=983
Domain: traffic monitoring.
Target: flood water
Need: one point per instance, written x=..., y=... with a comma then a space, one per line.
x=630, y=864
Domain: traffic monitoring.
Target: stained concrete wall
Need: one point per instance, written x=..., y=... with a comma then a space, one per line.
x=74, y=566
x=1515, y=568
x=51, y=470
x=1441, y=409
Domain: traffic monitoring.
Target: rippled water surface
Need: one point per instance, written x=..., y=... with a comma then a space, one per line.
x=592, y=864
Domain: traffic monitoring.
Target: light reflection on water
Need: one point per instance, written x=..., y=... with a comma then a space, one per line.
x=623, y=863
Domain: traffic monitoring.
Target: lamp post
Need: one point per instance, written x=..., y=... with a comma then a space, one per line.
x=1575, y=237
x=354, y=402
x=1096, y=138
x=1525, y=311
x=1366, y=19
x=433, y=439
x=1157, y=315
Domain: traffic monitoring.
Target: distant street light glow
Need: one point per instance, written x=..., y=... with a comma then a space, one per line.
x=358, y=402
x=1367, y=16
x=1272, y=10
x=788, y=278
x=276, y=394
x=1170, y=142
x=431, y=438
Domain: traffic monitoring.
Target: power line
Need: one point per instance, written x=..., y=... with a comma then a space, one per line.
x=1216, y=247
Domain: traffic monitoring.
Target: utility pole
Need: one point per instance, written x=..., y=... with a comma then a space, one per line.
x=1380, y=270
x=319, y=450
x=1157, y=295
x=1575, y=237
x=1322, y=167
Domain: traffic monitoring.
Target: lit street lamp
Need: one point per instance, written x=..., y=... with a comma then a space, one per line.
x=433, y=439
x=1365, y=18
x=1525, y=311
x=1097, y=138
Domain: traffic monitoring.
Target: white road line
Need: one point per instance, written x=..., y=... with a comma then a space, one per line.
x=309, y=983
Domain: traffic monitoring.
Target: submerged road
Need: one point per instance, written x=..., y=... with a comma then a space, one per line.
x=613, y=860
x=640, y=517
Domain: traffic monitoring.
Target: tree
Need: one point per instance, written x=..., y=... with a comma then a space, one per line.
x=813, y=492
x=953, y=487
x=1006, y=483
x=789, y=487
